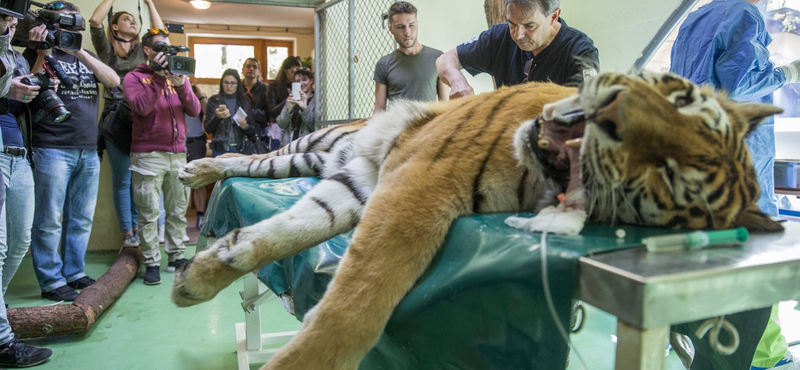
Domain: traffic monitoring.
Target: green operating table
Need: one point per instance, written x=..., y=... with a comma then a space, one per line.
x=480, y=304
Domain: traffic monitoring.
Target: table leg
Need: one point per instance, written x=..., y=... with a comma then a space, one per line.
x=640, y=349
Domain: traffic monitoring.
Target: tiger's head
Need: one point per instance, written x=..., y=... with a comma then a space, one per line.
x=657, y=150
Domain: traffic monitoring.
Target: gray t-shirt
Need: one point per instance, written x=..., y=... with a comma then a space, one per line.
x=411, y=77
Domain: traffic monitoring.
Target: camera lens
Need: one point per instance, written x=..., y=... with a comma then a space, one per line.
x=66, y=40
x=54, y=106
x=179, y=65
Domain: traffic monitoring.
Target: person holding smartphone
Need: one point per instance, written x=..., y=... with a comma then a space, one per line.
x=297, y=117
x=230, y=116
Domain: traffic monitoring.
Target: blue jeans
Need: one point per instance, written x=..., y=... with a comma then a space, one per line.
x=15, y=232
x=66, y=192
x=127, y=214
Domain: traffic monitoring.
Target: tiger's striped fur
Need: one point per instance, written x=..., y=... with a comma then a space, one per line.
x=405, y=175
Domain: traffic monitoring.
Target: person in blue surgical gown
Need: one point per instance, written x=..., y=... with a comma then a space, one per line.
x=724, y=44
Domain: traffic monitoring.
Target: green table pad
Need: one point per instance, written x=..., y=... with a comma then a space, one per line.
x=480, y=305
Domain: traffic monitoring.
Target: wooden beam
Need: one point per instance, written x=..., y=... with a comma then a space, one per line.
x=78, y=317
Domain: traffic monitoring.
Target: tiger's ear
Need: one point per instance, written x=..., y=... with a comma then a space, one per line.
x=755, y=113
x=756, y=221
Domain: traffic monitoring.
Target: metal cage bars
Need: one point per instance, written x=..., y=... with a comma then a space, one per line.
x=349, y=40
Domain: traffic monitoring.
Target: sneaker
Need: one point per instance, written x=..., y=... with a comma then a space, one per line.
x=131, y=241
x=186, y=238
x=201, y=219
x=176, y=265
x=152, y=276
x=62, y=293
x=81, y=283
x=161, y=234
x=18, y=354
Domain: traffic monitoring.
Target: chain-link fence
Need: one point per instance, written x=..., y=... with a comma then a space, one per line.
x=350, y=38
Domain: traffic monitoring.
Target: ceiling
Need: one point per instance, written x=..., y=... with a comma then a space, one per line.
x=242, y=12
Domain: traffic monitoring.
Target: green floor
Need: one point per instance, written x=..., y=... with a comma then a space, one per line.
x=144, y=330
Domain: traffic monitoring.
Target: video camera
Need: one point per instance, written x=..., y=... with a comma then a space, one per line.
x=176, y=65
x=60, y=28
x=14, y=8
x=47, y=100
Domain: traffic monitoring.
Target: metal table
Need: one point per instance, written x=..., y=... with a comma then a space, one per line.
x=648, y=292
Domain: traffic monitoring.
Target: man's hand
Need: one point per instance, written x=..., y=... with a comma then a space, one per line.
x=22, y=92
x=460, y=90
x=39, y=34
x=177, y=80
x=161, y=59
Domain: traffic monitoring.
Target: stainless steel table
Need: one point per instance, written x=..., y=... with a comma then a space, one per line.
x=648, y=292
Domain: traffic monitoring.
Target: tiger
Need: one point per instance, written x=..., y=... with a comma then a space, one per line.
x=656, y=150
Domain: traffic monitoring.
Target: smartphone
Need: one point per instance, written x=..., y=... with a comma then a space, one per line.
x=296, y=90
x=222, y=107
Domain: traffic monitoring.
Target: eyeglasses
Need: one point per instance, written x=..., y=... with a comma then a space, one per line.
x=230, y=83
x=157, y=31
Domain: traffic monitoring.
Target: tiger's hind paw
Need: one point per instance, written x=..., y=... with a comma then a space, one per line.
x=200, y=172
x=211, y=270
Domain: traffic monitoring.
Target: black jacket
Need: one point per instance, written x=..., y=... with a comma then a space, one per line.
x=222, y=129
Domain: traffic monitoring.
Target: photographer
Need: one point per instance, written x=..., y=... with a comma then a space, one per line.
x=159, y=103
x=67, y=167
x=16, y=186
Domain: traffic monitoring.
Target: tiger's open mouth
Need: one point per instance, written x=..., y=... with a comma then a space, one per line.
x=560, y=133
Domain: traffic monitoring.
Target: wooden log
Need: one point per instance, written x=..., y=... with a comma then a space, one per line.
x=78, y=317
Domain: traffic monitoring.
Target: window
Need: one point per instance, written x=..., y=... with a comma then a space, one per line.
x=275, y=57
x=215, y=55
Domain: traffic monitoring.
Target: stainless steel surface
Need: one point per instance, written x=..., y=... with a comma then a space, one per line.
x=648, y=290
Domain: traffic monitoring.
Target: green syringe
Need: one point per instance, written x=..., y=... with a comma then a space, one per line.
x=694, y=240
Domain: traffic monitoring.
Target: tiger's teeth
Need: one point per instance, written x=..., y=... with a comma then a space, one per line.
x=574, y=143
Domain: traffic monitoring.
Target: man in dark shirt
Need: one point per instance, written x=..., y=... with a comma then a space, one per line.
x=535, y=45
x=256, y=91
x=67, y=168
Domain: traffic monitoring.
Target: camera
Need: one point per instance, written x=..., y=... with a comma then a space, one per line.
x=175, y=64
x=47, y=100
x=14, y=8
x=60, y=28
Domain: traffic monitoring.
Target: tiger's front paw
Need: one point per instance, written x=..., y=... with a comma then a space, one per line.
x=556, y=220
x=210, y=271
x=200, y=172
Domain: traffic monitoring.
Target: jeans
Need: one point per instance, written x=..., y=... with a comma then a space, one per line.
x=15, y=232
x=66, y=194
x=152, y=174
x=127, y=214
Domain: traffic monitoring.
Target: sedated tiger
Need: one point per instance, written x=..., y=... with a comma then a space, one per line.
x=656, y=150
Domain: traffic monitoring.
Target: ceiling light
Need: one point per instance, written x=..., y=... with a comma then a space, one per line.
x=200, y=4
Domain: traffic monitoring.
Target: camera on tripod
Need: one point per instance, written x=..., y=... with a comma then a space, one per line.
x=60, y=28
x=14, y=8
x=48, y=101
x=176, y=65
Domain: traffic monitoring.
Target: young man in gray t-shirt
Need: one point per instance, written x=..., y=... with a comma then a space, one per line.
x=410, y=71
